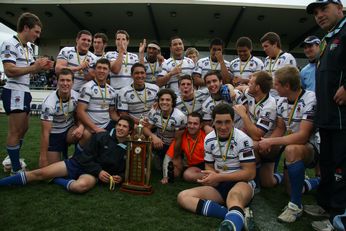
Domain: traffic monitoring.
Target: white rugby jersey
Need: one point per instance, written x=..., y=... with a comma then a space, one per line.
x=263, y=114
x=272, y=65
x=187, y=66
x=247, y=68
x=204, y=65
x=132, y=101
x=70, y=55
x=193, y=105
x=98, y=111
x=152, y=70
x=123, y=78
x=177, y=121
x=62, y=118
x=209, y=105
x=305, y=110
x=240, y=151
x=12, y=51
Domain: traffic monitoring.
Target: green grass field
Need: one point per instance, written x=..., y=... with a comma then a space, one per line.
x=42, y=206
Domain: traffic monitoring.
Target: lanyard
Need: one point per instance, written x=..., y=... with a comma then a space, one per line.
x=62, y=107
x=213, y=68
x=242, y=70
x=164, y=125
x=194, y=145
x=254, y=110
x=104, y=96
x=78, y=59
x=26, y=51
x=193, y=105
x=293, y=109
x=145, y=96
x=224, y=155
x=270, y=63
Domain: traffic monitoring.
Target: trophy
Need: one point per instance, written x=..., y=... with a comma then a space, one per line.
x=138, y=163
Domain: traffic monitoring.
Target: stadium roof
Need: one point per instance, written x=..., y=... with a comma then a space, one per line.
x=196, y=21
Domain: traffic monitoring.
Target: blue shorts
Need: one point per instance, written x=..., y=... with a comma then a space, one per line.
x=15, y=101
x=74, y=170
x=57, y=142
x=224, y=187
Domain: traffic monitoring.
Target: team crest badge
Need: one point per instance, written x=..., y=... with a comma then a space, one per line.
x=335, y=44
x=235, y=65
x=82, y=92
x=70, y=56
x=173, y=64
x=96, y=91
x=212, y=147
x=132, y=96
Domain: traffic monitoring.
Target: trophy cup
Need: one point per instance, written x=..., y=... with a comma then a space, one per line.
x=138, y=163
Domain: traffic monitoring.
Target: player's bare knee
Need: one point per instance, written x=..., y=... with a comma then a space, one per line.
x=80, y=187
x=183, y=197
x=293, y=153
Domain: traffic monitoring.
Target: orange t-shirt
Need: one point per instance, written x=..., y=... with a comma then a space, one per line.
x=187, y=144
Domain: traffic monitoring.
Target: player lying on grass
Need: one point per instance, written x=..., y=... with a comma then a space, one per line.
x=102, y=159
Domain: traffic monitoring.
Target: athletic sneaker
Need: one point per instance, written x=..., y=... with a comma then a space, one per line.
x=8, y=165
x=324, y=225
x=315, y=210
x=290, y=213
x=249, y=220
x=226, y=226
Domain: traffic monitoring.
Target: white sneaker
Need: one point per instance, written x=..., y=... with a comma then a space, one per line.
x=290, y=213
x=8, y=165
x=249, y=224
x=324, y=225
x=315, y=210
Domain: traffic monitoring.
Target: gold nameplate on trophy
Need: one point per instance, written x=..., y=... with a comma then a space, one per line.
x=138, y=164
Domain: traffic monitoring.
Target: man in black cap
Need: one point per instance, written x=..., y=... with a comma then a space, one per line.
x=331, y=111
x=311, y=46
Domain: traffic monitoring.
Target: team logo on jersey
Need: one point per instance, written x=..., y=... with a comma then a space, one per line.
x=248, y=153
x=131, y=57
x=46, y=113
x=335, y=44
x=173, y=64
x=251, y=64
x=132, y=96
x=250, y=102
x=82, y=92
x=149, y=92
x=235, y=65
x=155, y=120
x=212, y=146
x=212, y=108
x=70, y=56
x=7, y=51
x=96, y=91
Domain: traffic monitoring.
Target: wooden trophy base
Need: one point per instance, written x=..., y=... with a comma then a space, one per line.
x=137, y=189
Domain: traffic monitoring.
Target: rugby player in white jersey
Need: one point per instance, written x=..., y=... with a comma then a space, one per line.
x=193, y=54
x=219, y=94
x=169, y=122
x=96, y=103
x=100, y=41
x=189, y=99
x=137, y=99
x=78, y=59
x=259, y=119
x=228, y=176
x=121, y=61
x=17, y=57
x=152, y=61
x=276, y=58
x=294, y=135
x=215, y=62
x=175, y=66
x=58, y=124
x=246, y=64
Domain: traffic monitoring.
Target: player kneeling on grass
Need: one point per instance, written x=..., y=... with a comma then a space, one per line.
x=103, y=158
x=228, y=179
x=294, y=134
x=59, y=127
x=192, y=145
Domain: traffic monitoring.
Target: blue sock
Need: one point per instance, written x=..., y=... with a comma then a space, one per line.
x=296, y=174
x=279, y=177
x=211, y=209
x=63, y=182
x=13, y=152
x=78, y=149
x=311, y=184
x=18, y=179
x=236, y=216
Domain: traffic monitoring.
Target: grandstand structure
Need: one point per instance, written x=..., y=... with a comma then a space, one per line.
x=196, y=21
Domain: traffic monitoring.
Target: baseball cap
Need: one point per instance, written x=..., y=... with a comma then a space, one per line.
x=310, y=8
x=312, y=39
